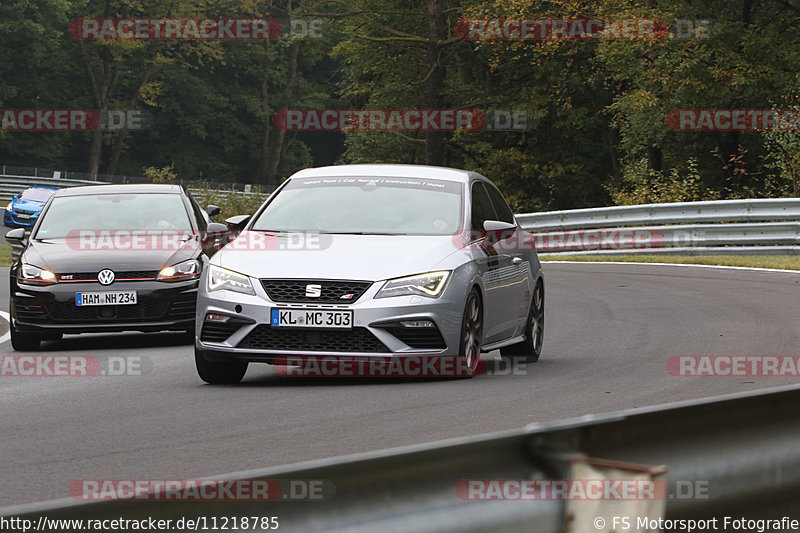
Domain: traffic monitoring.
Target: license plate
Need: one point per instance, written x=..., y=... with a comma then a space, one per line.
x=105, y=298
x=26, y=217
x=311, y=318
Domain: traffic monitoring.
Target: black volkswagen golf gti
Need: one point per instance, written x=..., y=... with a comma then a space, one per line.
x=110, y=258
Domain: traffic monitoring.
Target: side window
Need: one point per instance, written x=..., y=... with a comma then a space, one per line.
x=504, y=212
x=199, y=213
x=482, y=209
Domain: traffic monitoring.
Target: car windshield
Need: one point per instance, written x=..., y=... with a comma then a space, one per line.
x=68, y=215
x=37, y=195
x=368, y=205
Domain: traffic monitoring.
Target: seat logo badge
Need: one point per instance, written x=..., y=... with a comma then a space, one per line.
x=105, y=277
x=313, y=291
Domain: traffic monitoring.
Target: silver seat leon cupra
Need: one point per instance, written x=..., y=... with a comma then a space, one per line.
x=372, y=263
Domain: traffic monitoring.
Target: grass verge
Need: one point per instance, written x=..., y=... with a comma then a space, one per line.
x=759, y=261
x=5, y=255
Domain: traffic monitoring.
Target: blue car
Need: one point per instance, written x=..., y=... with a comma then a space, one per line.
x=24, y=209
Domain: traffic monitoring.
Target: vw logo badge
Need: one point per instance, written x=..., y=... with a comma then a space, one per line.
x=105, y=276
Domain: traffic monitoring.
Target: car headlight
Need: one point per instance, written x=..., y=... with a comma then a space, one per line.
x=221, y=278
x=32, y=275
x=10, y=207
x=430, y=284
x=182, y=271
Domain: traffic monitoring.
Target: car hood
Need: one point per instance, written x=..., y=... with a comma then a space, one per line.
x=28, y=205
x=66, y=255
x=357, y=257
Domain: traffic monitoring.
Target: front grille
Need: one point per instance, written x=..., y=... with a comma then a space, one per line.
x=218, y=331
x=332, y=292
x=183, y=308
x=144, y=310
x=27, y=312
x=420, y=338
x=127, y=275
x=356, y=340
x=24, y=212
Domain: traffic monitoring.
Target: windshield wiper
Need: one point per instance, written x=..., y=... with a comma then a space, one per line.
x=361, y=233
x=283, y=230
x=321, y=232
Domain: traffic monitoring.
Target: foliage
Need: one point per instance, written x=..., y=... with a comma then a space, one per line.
x=641, y=185
x=161, y=175
x=597, y=108
x=230, y=203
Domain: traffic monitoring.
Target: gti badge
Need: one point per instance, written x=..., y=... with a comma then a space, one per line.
x=106, y=276
x=313, y=291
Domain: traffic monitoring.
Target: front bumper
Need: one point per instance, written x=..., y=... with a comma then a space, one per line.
x=12, y=220
x=376, y=331
x=160, y=306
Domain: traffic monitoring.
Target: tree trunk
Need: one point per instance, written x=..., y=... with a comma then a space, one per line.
x=263, y=167
x=435, y=140
x=118, y=147
x=654, y=159
x=103, y=86
x=95, y=151
x=279, y=144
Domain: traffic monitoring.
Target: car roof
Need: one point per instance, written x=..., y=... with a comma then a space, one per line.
x=389, y=170
x=46, y=187
x=135, y=188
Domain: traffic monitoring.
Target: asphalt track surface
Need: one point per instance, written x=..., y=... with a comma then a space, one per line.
x=609, y=332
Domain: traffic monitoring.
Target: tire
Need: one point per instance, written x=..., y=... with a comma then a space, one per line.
x=24, y=342
x=469, y=346
x=227, y=373
x=530, y=349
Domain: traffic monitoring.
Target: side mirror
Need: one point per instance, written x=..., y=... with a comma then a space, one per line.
x=216, y=228
x=213, y=210
x=497, y=230
x=237, y=222
x=236, y=225
x=215, y=237
x=16, y=236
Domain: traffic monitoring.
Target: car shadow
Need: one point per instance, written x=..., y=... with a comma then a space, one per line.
x=487, y=368
x=117, y=341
